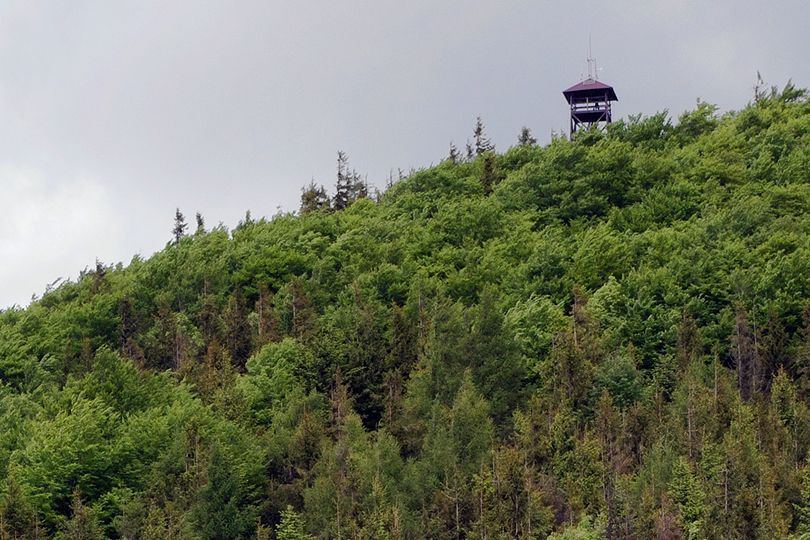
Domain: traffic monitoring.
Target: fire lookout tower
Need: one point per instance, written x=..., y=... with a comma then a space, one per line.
x=590, y=101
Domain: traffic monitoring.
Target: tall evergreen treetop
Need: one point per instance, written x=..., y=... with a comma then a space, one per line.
x=180, y=226
x=482, y=142
x=525, y=138
x=343, y=184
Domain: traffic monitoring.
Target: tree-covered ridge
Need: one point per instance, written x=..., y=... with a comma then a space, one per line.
x=605, y=337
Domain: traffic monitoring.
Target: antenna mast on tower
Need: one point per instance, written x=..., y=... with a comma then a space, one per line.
x=593, y=70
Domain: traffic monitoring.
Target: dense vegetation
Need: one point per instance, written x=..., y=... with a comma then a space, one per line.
x=608, y=337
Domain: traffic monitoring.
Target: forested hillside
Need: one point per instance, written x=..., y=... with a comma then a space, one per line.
x=604, y=338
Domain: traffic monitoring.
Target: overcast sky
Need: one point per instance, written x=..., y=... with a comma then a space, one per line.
x=114, y=113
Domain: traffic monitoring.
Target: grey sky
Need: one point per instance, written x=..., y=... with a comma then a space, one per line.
x=115, y=113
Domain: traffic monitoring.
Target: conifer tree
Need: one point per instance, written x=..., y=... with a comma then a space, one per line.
x=263, y=532
x=340, y=404
x=200, y=223
x=800, y=359
x=453, y=155
x=129, y=329
x=220, y=509
x=246, y=221
x=267, y=320
x=788, y=414
x=313, y=198
x=350, y=186
x=359, y=187
x=161, y=346
x=510, y=501
x=482, y=142
x=743, y=482
x=99, y=276
x=772, y=354
x=689, y=346
x=744, y=353
x=525, y=138
x=470, y=424
x=180, y=226
x=687, y=493
x=18, y=519
x=803, y=506
x=237, y=336
x=614, y=458
x=488, y=176
x=301, y=313
x=343, y=185
x=332, y=501
x=291, y=526
x=83, y=524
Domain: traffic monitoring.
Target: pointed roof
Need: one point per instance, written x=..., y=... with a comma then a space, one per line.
x=590, y=88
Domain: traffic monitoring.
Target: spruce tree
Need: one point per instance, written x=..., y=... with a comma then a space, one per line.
x=267, y=324
x=83, y=525
x=237, y=335
x=359, y=187
x=343, y=185
x=453, y=155
x=744, y=353
x=291, y=526
x=772, y=354
x=525, y=138
x=313, y=198
x=18, y=519
x=689, y=346
x=482, y=142
x=180, y=226
x=488, y=176
x=688, y=495
x=99, y=276
x=469, y=151
x=220, y=509
x=246, y=221
x=803, y=506
x=800, y=359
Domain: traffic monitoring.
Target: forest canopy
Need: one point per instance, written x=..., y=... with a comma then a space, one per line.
x=604, y=337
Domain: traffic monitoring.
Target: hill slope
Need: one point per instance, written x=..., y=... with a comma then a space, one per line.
x=601, y=338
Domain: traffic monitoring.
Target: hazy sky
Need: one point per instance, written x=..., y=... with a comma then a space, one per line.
x=114, y=113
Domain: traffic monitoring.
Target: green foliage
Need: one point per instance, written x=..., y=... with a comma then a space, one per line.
x=588, y=528
x=620, y=378
x=686, y=491
x=74, y=449
x=535, y=322
x=273, y=376
x=18, y=519
x=291, y=527
x=604, y=337
x=803, y=507
x=222, y=509
x=82, y=525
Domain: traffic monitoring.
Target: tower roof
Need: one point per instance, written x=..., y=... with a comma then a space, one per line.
x=590, y=88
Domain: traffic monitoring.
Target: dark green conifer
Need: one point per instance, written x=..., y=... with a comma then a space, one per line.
x=313, y=198
x=525, y=138
x=482, y=142
x=180, y=226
